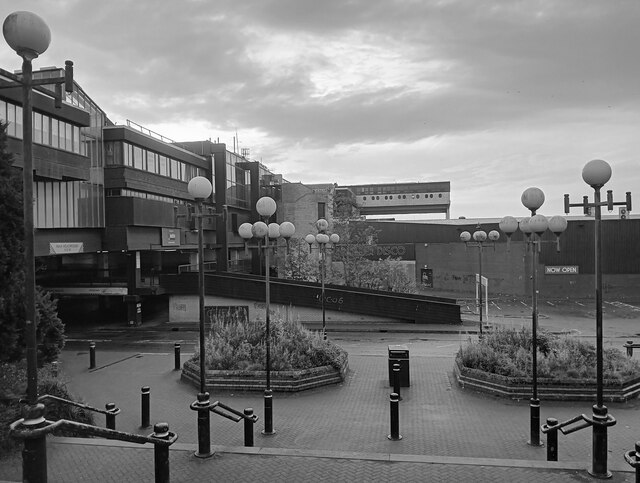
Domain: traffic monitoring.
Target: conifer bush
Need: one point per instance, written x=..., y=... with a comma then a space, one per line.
x=507, y=352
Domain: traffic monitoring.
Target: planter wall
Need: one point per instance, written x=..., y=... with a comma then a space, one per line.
x=514, y=388
x=281, y=381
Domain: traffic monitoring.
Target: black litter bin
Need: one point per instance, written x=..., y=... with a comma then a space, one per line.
x=399, y=354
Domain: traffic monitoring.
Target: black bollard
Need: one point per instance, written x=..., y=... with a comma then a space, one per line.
x=534, y=421
x=161, y=452
x=112, y=412
x=396, y=380
x=203, y=405
x=92, y=355
x=629, y=346
x=176, y=356
x=551, y=428
x=34, y=452
x=268, y=413
x=248, y=427
x=395, y=418
x=145, y=405
x=633, y=458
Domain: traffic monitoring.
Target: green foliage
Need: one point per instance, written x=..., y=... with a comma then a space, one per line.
x=236, y=344
x=13, y=386
x=507, y=352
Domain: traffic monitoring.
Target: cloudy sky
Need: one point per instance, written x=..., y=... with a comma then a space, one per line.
x=493, y=96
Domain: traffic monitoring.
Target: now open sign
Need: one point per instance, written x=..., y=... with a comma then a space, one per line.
x=561, y=270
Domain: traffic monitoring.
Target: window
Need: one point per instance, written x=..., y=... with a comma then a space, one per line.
x=37, y=127
x=138, y=158
x=163, y=166
x=55, y=142
x=322, y=210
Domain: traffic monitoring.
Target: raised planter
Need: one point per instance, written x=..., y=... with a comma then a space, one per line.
x=517, y=388
x=282, y=381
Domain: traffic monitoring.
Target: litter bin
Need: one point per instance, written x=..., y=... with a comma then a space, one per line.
x=399, y=354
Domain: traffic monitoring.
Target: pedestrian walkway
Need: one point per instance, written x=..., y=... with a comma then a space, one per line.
x=336, y=433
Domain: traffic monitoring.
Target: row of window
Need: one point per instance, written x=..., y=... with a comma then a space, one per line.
x=126, y=154
x=115, y=192
x=404, y=197
x=68, y=204
x=408, y=188
x=47, y=130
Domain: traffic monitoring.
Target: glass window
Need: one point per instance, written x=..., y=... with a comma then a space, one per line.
x=175, y=169
x=322, y=208
x=37, y=127
x=55, y=142
x=163, y=167
x=11, y=119
x=68, y=136
x=63, y=204
x=152, y=162
x=138, y=159
x=45, y=130
x=3, y=110
x=76, y=139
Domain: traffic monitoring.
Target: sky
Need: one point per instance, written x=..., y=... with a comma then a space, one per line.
x=493, y=96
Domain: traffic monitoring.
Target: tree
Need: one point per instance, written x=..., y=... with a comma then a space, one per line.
x=50, y=331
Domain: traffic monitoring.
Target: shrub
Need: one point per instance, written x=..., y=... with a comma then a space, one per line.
x=237, y=344
x=507, y=352
x=13, y=386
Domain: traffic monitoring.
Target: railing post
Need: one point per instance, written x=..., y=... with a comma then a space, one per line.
x=145, y=406
x=633, y=459
x=34, y=454
x=396, y=380
x=248, y=427
x=112, y=412
x=92, y=355
x=176, y=356
x=551, y=428
x=395, y=418
x=268, y=413
x=161, y=452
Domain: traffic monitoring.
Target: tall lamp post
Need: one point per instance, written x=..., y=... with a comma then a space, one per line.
x=323, y=242
x=29, y=36
x=200, y=188
x=596, y=173
x=480, y=241
x=533, y=228
x=266, y=207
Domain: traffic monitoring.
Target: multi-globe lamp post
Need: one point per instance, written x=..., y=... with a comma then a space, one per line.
x=263, y=233
x=533, y=229
x=323, y=242
x=480, y=241
x=597, y=173
x=200, y=188
x=29, y=36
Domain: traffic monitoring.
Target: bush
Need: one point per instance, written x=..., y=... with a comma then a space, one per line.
x=13, y=386
x=237, y=344
x=507, y=352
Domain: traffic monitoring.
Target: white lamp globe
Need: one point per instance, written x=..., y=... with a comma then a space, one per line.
x=309, y=238
x=322, y=238
x=274, y=230
x=287, y=229
x=266, y=206
x=480, y=235
x=494, y=235
x=27, y=34
x=596, y=173
x=245, y=232
x=538, y=224
x=334, y=238
x=557, y=224
x=532, y=198
x=465, y=236
x=199, y=187
x=524, y=226
x=322, y=224
x=508, y=225
x=259, y=229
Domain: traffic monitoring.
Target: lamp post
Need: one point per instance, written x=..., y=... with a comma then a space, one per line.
x=480, y=241
x=324, y=242
x=266, y=207
x=29, y=36
x=200, y=188
x=596, y=173
x=533, y=228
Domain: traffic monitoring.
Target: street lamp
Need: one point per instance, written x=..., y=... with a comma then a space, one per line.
x=323, y=242
x=200, y=188
x=266, y=207
x=29, y=36
x=480, y=241
x=596, y=173
x=533, y=228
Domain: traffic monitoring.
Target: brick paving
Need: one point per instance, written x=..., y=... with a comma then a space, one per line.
x=449, y=434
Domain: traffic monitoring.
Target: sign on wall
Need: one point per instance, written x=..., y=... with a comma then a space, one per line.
x=561, y=270
x=64, y=248
x=170, y=237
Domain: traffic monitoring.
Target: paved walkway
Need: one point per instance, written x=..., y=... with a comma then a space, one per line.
x=337, y=433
